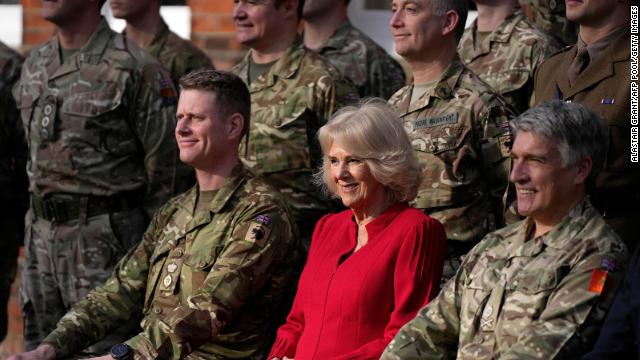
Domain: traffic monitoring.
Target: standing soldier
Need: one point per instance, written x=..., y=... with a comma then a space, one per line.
x=148, y=30
x=13, y=178
x=504, y=50
x=293, y=93
x=539, y=288
x=98, y=113
x=458, y=125
x=549, y=15
x=328, y=31
x=595, y=72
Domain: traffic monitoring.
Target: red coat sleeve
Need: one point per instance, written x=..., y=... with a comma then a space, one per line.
x=416, y=281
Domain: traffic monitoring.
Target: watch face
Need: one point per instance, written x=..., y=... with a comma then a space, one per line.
x=119, y=351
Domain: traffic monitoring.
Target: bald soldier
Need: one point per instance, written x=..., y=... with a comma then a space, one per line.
x=212, y=268
x=98, y=113
x=328, y=31
x=148, y=30
x=294, y=92
x=505, y=50
x=457, y=124
x=539, y=288
x=595, y=73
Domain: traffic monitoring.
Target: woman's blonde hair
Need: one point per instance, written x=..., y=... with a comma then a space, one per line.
x=372, y=132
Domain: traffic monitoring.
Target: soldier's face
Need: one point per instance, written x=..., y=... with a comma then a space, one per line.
x=62, y=11
x=200, y=131
x=415, y=28
x=589, y=12
x=546, y=189
x=129, y=9
x=257, y=21
x=357, y=188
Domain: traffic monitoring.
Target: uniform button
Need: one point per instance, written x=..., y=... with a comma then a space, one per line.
x=432, y=148
x=44, y=133
x=45, y=121
x=202, y=264
x=157, y=310
x=179, y=252
x=48, y=109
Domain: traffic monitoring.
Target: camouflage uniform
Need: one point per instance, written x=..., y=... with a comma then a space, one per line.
x=102, y=158
x=289, y=103
x=207, y=282
x=544, y=298
x=508, y=57
x=13, y=178
x=460, y=132
x=176, y=54
x=549, y=15
x=365, y=63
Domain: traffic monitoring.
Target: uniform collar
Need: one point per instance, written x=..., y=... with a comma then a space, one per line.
x=442, y=90
x=91, y=52
x=501, y=34
x=285, y=67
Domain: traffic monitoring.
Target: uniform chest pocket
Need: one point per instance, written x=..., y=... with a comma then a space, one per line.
x=439, y=133
x=281, y=143
x=507, y=81
x=94, y=102
x=200, y=265
x=536, y=282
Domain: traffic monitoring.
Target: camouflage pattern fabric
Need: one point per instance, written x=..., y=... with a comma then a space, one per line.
x=13, y=178
x=99, y=124
x=289, y=103
x=365, y=63
x=508, y=57
x=544, y=298
x=177, y=55
x=208, y=283
x=460, y=132
x=549, y=15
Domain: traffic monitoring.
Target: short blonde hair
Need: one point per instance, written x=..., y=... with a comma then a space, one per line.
x=373, y=132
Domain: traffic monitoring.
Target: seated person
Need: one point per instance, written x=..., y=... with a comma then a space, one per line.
x=215, y=261
x=620, y=335
x=539, y=288
x=373, y=266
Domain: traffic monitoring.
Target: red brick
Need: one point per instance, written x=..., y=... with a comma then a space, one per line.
x=31, y=4
x=36, y=36
x=204, y=22
x=32, y=18
x=211, y=6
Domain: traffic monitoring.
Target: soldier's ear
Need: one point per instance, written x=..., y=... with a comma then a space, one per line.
x=234, y=126
x=583, y=168
x=450, y=22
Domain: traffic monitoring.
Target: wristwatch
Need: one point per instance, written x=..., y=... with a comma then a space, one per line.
x=121, y=352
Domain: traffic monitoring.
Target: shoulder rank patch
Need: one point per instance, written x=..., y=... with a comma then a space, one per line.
x=257, y=231
x=599, y=276
x=167, y=93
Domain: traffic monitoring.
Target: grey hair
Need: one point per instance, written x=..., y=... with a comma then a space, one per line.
x=373, y=132
x=461, y=7
x=577, y=131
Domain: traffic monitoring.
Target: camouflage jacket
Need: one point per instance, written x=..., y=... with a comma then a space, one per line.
x=208, y=283
x=100, y=123
x=177, y=55
x=460, y=132
x=13, y=149
x=508, y=57
x=365, y=63
x=289, y=103
x=549, y=15
x=543, y=298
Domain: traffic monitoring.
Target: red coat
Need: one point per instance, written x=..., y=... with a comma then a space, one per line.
x=353, y=309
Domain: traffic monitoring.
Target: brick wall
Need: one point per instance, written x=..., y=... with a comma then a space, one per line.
x=212, y=29
x=35, y=29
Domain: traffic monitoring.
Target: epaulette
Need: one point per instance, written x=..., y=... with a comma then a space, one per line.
x=564, y=49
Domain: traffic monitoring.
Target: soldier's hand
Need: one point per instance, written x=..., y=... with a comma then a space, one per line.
x=42, y=352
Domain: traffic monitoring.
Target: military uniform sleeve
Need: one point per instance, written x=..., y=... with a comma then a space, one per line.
x=262, y=237
x=331, y=94
x=385, y=77
x=495, y=145
x=433, y=333
x=153, y=111
x=617, y=339
x=575, y=310
x=106, y=306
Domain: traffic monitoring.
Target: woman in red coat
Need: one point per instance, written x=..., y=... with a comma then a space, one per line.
x=372, y=267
